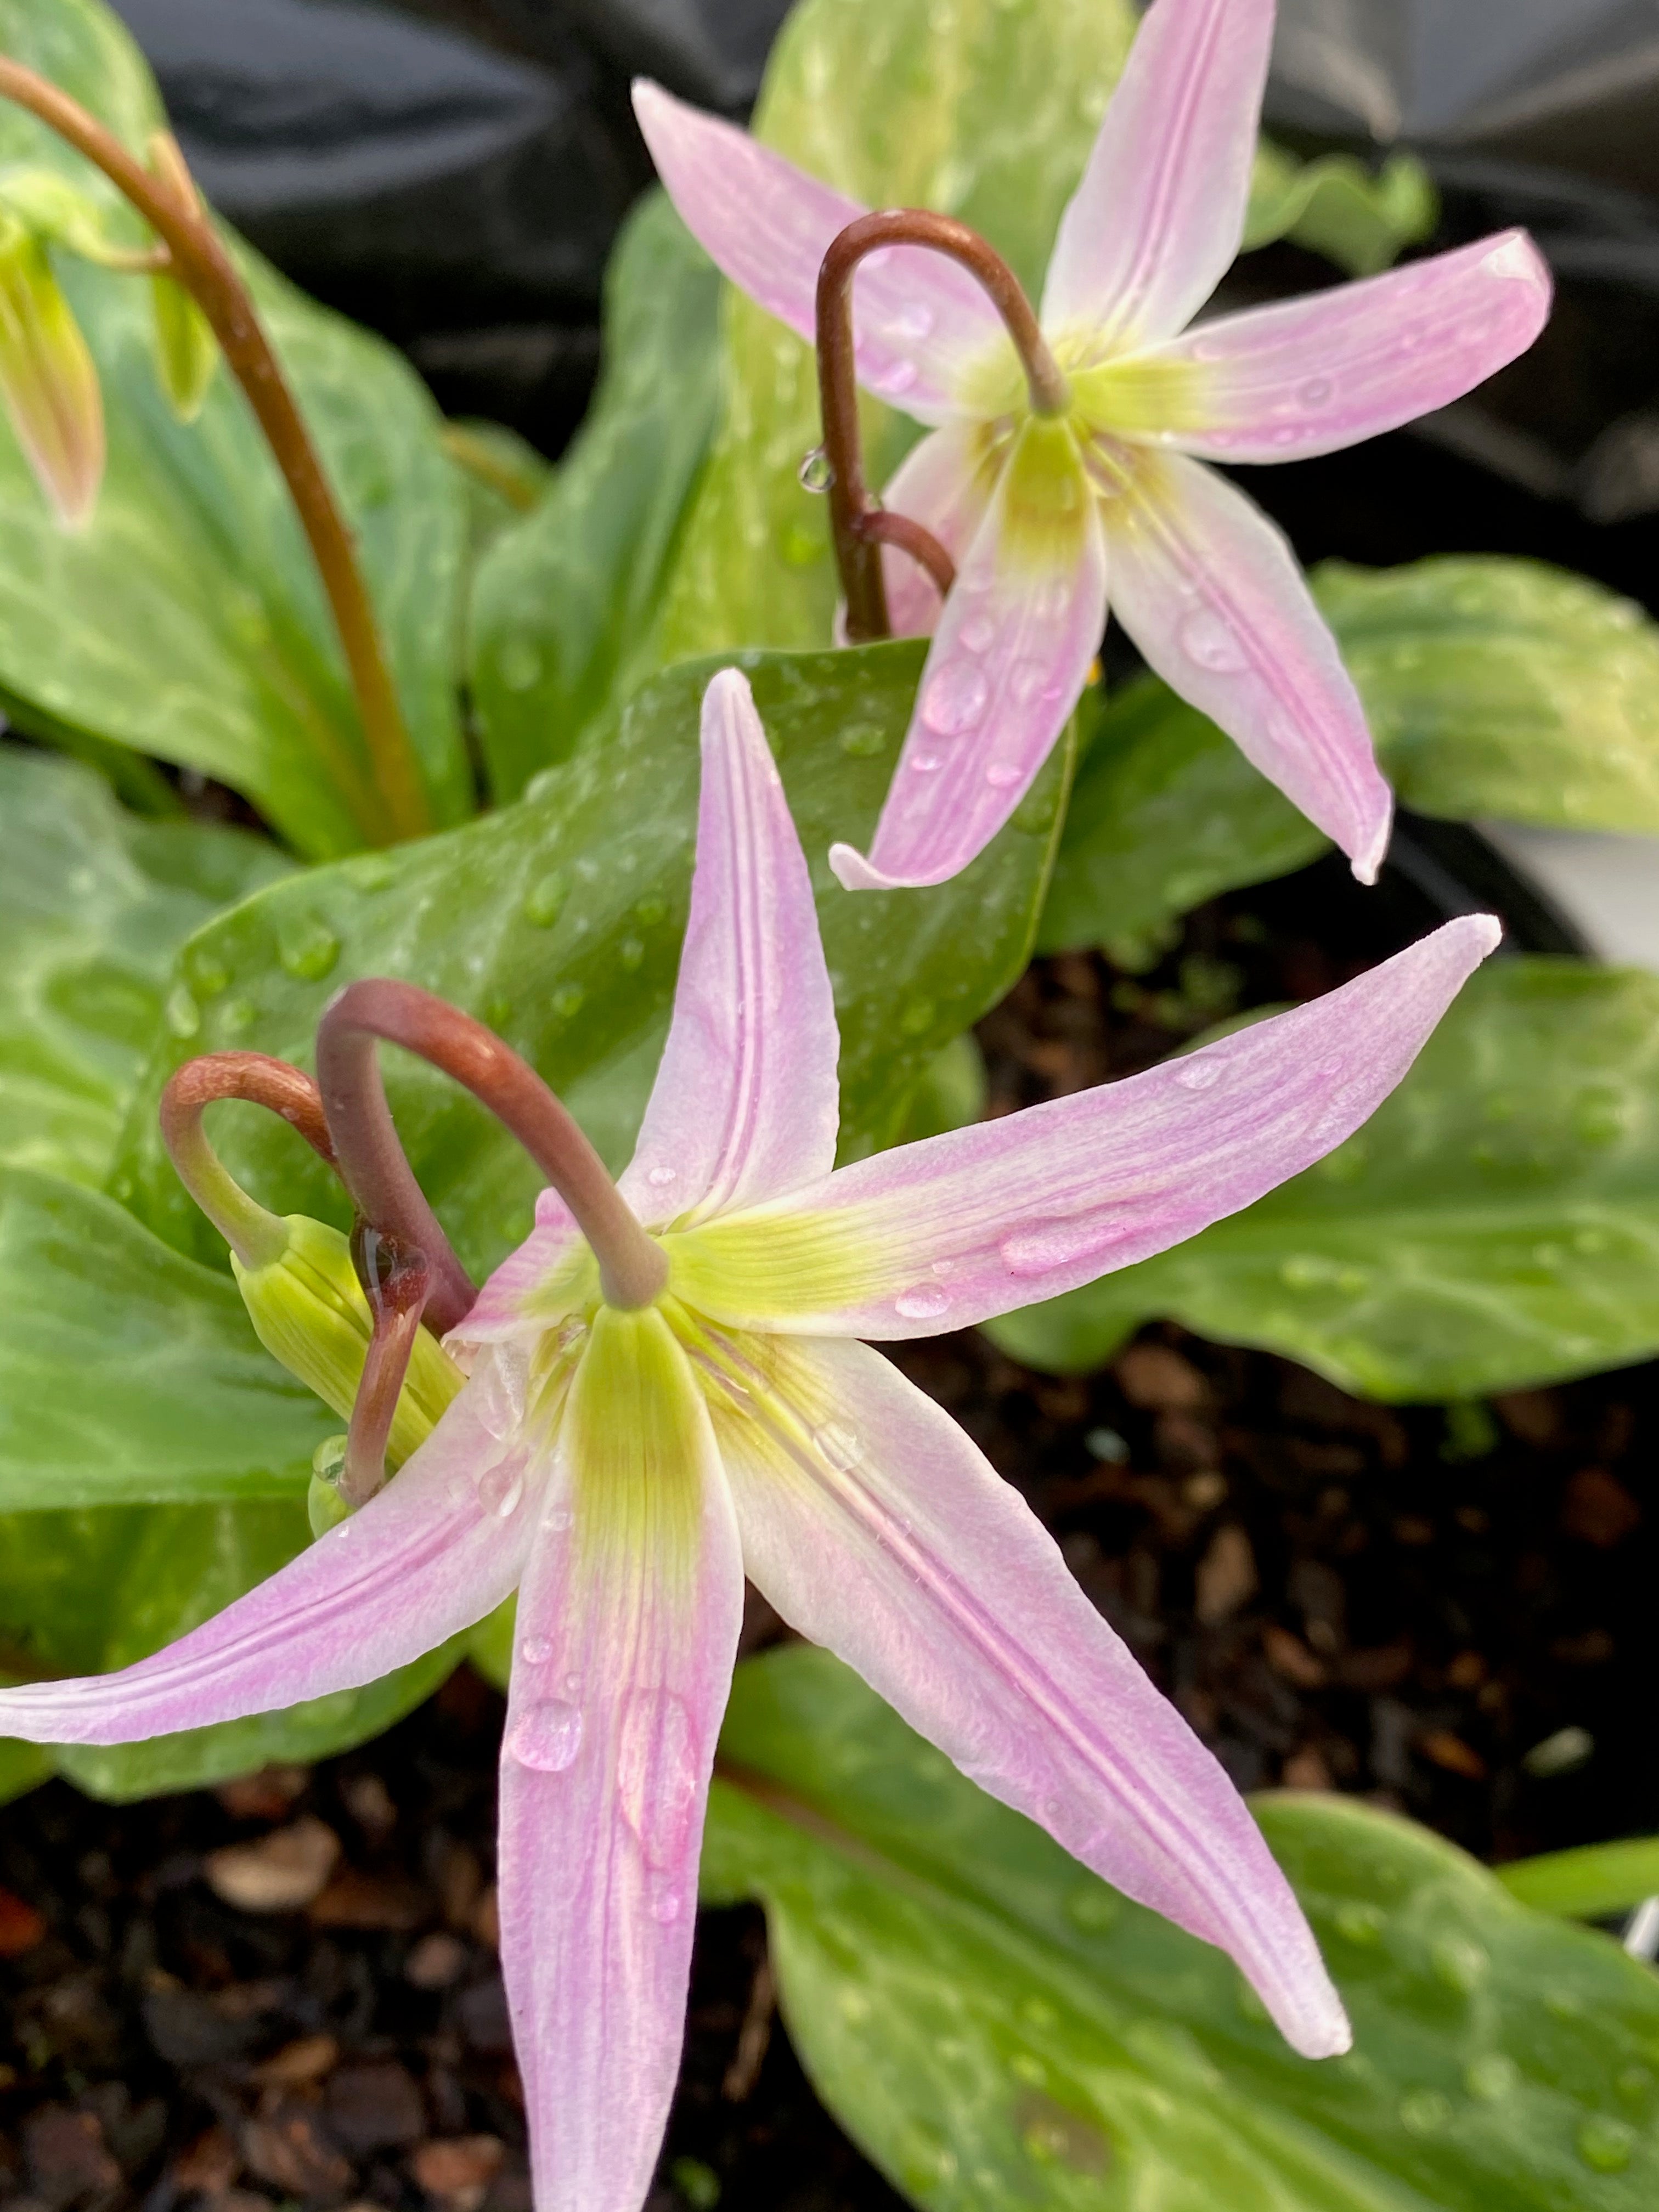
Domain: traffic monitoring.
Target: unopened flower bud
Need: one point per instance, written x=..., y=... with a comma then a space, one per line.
x=48, y=383
x=309, y=1312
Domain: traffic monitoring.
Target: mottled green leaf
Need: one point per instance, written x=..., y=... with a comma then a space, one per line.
x=981, y=108
x=128, y=1372
x=995, y=2026
x=1494, y=687
x=84, y=1593
x=1495, y=1224
x=563, y=606
x=186, y=620
x=95, y=904
x=558, y=921
x=1593, y=1882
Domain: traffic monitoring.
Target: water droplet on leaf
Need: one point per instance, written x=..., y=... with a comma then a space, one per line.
x=307, y=948
x=815, y=473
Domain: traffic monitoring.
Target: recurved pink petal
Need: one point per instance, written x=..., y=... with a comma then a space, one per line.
x=1211, y=592
x=1010, y=657
x=498, y=1312
x=875, y=1527
x=433, y=1553
x=945, y=483
x=920, y=320
x=1318, y=374
x=939, y=1235
x=746, y=1102
x=1158, y=219
x=626, y=1631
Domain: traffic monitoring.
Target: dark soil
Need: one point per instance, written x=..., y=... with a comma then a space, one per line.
x=1447, y=1613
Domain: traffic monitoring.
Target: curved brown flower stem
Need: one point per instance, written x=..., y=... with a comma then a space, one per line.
x=632, y=1268
x=395, y=1282
x=853, y=508
x=395, y=805
x=256, y=1237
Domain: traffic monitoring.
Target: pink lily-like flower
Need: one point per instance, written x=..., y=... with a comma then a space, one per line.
x=623, y=1467
x=1051, y=504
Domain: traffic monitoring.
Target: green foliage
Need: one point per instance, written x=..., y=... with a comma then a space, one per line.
x=1335, y=206
x=1592, y=1883
x=1494, y=687
x=94, y=906
x=563, y=608
x=1496, y=1222
x=558, y=921
x=84, y=1593
x=995, y=2026
x=187, y=621
x=130, y=1373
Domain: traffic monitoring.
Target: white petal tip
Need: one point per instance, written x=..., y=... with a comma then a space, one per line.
x=855, y=873
x=1484, y=933
x=1329, y=2037
x=1366, y=857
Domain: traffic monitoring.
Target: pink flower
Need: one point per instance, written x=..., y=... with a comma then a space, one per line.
x=625, y=1468
x=1049, y=515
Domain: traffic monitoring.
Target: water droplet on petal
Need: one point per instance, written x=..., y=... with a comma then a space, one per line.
x=547, y=1736
x=535, y=1650
x=925, y=1302
x=955, y=699
x=914, y=321
x=893, y=382
x=1315, y=392
x=815, y=473
x=978, y=632
x=559, y=1519
x=839, y=1446
x=1026, y=681
x=1206, y=639
x=665, y=1906
x=657, y=1764
x=500, y=1489
x=659, y=1178
x=1199, y=1074
x=1003, y=775
x=924, y=764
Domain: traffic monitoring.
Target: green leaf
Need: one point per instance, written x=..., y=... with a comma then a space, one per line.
x=85, y=1593
x=95, y=904
x=984, y=109
x=559, y=921
x=1494, y=687
x=1362, y=220
x=187, y=621
x=1494, y=1225
x=563, y=605
x=1592, y=1883
x=995, y=2026
x=128, y=1373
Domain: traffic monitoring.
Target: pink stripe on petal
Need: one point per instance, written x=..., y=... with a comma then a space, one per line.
x=627, y=1632
x=939, y=1235
x=746, y=1102
x=1315, y=374
x=436, y=1550
x=919, y=320
x=875, y=1527
x=1211, y=592
x=945, y=483
x=1158, y=219
x=1009, y=661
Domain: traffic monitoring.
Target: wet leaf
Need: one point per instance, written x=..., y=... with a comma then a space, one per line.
x=563, y=606
x=558, y=921
x=995, y=2026
x=95, y=904
x=1494, y=687
x=84, y=1593
x=186, y=619
x=1494, y=1225
x=128, y=1372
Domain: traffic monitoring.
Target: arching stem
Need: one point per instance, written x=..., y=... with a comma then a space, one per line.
x=632, y=1268
x=397, y=1284
x=395, y=805
x=859, y=522
x=255, y=1237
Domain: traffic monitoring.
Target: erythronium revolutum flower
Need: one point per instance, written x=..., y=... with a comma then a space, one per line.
x=1052, y=503
x=623, y=1465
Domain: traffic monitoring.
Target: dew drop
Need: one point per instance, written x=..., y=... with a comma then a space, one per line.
x=544, y=901
x=925, y=763
x=1026, y=681
x=914, y=321
x=892, y=383
x=1212, y=643
x=925, y=1302
x=665, y=1906
x=1361, y=1923
x=978, y=632
x=500, y=1490
x=558, y=1519
x=1315, y=392
x=547, y=1737
x=1605, y=2145
x=659, y=1178
x=1198, y=1074
x=630, y=953
x=815, y=473
x=863, y=740
x=567, y=1001
x=1460, y=1963
x=517, y=663
x=1423, y=2111
x=1094, y=1910
x=657, y=1773
x=307, y=948
x=1003, y=775
x=184, y=1016
x=1491, y=2077
x=535, y=1650
x=839, y=1446
x=955, y=699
